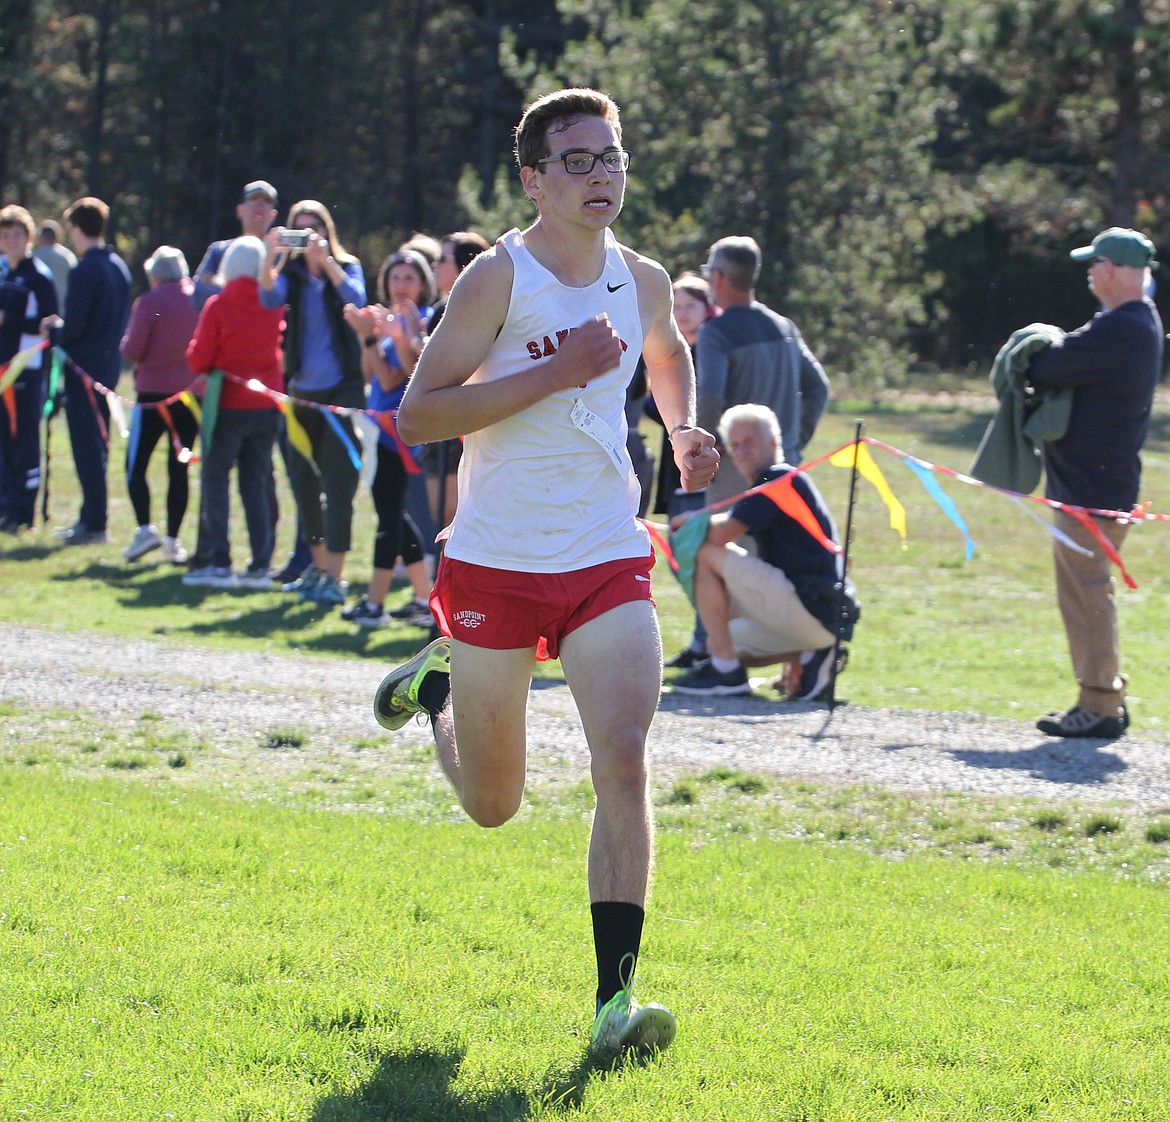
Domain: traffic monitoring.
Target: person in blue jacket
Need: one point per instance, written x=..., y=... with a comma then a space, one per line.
x=27, y=295
x=97, y=309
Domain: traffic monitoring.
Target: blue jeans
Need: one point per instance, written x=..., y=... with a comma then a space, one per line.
x=243, y=439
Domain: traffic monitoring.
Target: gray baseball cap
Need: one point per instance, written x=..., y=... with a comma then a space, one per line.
x=259, y=187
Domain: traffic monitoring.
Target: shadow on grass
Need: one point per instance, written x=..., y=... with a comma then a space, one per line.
x=1073, y=761
x=417, y=1087
x=26, y=550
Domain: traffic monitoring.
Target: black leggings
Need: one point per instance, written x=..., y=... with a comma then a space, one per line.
x=146, y=427
x=397, y=535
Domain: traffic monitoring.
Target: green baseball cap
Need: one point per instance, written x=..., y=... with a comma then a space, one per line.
x=1119, y=245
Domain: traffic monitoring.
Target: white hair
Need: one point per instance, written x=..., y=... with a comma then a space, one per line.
x=759, y=415
x=166, y=265
x=243, y=258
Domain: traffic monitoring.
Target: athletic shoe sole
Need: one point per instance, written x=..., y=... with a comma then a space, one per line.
x=713, y=691
x=386, y=713
x=651, y=1028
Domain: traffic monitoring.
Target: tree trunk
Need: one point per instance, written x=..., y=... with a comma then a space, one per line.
x=1128, y=148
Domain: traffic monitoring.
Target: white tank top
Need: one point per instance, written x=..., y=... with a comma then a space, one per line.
x=536, y=493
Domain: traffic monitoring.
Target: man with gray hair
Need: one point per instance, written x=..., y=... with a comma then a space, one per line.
x=749, y=354
x=787, y=604
x=752, y=354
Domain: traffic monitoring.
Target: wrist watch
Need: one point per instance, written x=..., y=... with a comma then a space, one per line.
x=370, y=340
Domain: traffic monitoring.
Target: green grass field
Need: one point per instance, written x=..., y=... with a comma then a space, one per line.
x=177, y=945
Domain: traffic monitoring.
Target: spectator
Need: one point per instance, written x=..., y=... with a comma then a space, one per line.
x=1112, y=365
x=323, y=364
x=392, y=342
x=256, y=212
x=97, y=308
x=693, y=307
x=779, y=606
x=162, y=322
x=238, y=336
x=440, y=460
x=27, y=296
x=752, y=354
x=59, y=258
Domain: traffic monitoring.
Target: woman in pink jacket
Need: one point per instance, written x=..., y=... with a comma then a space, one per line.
x=160, y=327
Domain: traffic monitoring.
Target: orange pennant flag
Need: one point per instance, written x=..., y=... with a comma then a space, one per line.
x=783, y=494
x=8, y=396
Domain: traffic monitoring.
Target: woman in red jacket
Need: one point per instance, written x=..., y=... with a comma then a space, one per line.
x=237, y=335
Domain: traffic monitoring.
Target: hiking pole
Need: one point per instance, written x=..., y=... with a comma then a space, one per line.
x=840, y=620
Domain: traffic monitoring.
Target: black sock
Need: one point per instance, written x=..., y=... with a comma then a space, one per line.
x=617, y=932
x=434, y=691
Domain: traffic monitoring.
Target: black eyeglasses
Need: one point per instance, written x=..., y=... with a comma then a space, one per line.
x=705, y=271
x=580, y=161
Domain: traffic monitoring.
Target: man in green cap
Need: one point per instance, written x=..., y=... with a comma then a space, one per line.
x=1112, y=364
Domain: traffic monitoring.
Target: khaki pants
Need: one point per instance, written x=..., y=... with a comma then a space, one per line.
x=767, y=617
x=1085, y=594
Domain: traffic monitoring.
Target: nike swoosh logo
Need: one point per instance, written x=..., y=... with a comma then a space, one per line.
x=615, y=287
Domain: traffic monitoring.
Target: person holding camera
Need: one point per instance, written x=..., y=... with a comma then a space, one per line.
x=308, y=269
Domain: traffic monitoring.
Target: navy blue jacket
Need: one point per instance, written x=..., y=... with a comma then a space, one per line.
x=1112, y=364
x=97, y=308
x=27, y=295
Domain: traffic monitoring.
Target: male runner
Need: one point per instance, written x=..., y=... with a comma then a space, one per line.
x=531, y=362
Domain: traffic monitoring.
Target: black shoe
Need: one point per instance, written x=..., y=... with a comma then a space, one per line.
x=816, y=674
x=288, y=574
x=1083, y=723
x=707, y=680
x=687, y=659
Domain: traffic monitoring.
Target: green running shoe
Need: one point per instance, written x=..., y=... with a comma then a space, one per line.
x=397, y=697
x=622, y=1024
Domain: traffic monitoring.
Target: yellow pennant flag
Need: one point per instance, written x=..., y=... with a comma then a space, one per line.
x=297, y=436
x=873, y=474
x=192, y=403
x=15, y=367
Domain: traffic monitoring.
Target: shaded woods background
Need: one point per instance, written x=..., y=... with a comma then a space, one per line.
x=916, y=172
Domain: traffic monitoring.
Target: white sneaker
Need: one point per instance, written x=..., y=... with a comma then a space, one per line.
x=210, y=576
x=145, y=539
x=173, y=551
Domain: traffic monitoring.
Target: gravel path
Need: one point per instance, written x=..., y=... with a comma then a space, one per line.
x=237, y=698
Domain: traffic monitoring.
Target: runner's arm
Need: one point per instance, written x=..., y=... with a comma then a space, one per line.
x=671, y=375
